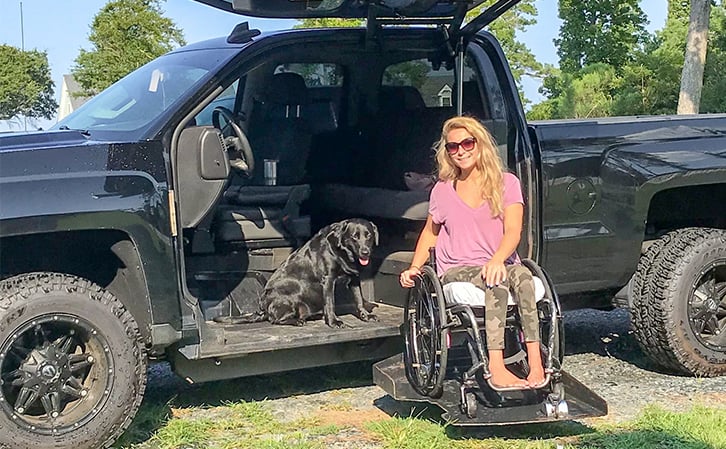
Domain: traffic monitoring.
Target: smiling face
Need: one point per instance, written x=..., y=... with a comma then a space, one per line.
x=465, y=160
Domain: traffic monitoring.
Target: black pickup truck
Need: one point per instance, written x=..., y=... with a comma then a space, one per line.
x=136, y=221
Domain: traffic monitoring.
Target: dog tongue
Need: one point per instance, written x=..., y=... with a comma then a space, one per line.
x=363, y=261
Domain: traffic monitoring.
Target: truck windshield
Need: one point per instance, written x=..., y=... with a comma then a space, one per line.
x=126, y=109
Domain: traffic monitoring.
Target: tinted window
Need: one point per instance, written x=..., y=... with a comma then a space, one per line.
x=435, y=87
x=127, y=108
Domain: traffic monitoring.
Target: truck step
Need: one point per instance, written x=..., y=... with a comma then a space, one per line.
x=229, y=340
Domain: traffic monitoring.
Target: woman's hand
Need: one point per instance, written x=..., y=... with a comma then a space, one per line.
x=407, y=275
x=494, y=273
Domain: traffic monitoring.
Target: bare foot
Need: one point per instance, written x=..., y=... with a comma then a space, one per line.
x=536, y=375
x=505, y=379
x=501, y=376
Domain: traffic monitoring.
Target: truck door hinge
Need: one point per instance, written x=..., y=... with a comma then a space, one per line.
x=172, y=213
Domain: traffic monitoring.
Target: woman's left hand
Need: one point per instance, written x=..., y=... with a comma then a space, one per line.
x=494, y=273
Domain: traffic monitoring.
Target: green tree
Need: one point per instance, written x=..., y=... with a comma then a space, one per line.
x=26, y=88
x=329, y=22
x=521, y=59
x=125, y=35
x=599, y=31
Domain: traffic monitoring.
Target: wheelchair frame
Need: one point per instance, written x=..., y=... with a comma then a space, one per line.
x=428, y=326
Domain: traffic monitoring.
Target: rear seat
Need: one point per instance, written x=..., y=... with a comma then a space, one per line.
x=401, y=136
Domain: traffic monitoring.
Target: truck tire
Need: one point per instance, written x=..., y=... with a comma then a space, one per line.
x=72, y=363
x=680, y=308
x=640, y=310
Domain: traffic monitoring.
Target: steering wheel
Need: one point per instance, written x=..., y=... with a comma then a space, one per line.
x=241, y=158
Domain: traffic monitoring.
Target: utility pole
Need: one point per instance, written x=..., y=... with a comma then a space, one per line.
x=22, y=31
x=22, y=48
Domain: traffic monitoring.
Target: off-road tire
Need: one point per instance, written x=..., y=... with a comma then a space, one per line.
x=640, y=312
x=663, y=285
x=105, y=356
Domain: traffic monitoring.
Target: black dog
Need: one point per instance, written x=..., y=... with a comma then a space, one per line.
x=304, y=285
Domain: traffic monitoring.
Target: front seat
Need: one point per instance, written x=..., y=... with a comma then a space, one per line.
x=258, y=215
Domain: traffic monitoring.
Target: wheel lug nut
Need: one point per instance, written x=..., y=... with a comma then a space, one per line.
x=20, y=410
x=84, y=392
x=54, y=414
x=90, y=359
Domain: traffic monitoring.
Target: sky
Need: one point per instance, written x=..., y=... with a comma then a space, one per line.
x=61, y=29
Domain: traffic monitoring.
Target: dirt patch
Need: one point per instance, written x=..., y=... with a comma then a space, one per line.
x=352, y=418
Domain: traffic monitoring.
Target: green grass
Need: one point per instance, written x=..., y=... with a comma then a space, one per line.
x=698, y=428
x=236, y=415
x=248, y=425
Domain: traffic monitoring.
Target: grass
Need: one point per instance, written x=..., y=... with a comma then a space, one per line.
x=698, y=428
x=237, y=415
x=248, y=425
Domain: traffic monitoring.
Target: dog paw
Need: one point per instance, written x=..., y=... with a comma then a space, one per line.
x=365, y=316
x=336, y=323
x=369, y=306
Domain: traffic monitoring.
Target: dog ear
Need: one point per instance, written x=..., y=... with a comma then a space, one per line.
x=375, y=231
x=335, y=234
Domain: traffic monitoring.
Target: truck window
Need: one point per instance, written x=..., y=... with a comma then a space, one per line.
x=130, y=106
x=434, y=87
x=226, y=99
x=324, y=85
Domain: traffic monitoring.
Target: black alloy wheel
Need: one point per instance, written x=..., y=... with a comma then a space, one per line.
x=72, y=363
x=707, y=306
x=56, y=373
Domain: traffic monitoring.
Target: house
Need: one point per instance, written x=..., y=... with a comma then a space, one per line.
x=70, y=100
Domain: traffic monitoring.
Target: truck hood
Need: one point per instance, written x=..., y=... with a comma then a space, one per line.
x=71, y=153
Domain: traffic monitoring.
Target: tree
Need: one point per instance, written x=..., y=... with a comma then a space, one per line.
x=329, y=22
x=125, y=35
x=689, y=98
x=521, y=59
x=599, y=31
x=26, y=88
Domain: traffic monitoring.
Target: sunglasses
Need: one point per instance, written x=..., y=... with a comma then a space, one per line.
x=467, y=144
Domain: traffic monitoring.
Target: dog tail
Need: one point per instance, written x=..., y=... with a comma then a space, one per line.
x=254, y=317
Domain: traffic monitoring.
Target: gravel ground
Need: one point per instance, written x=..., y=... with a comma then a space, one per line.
x=601, y=353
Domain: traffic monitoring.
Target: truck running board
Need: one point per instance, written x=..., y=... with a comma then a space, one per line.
x=390, y=375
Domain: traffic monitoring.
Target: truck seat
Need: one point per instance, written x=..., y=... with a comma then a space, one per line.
x=279, y=130
x=263, y=216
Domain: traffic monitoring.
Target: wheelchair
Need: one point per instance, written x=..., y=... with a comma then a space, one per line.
x=445, y=345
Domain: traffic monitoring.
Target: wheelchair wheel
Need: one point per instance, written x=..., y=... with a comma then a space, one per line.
x=426, y=338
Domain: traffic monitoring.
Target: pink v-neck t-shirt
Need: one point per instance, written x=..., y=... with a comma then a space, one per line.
x=469, y=236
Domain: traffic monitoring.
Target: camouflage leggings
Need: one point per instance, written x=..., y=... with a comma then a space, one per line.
x=519, y=279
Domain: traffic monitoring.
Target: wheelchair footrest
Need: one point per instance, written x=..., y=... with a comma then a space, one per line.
x=521, y=407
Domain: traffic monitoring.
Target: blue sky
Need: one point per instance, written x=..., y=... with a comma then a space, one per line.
x=61, y=29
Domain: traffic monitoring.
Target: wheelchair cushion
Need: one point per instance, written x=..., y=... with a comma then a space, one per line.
x=469, y=294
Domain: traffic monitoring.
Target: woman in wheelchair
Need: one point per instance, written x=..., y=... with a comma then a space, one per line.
x=474, y=224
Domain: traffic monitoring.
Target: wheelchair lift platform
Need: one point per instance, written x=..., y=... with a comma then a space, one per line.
x=390, y=375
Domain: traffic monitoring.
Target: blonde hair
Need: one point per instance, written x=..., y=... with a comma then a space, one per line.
x=491, y=168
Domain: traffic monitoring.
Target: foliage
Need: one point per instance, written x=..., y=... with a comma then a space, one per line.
x=648, y=84
x=329, y=22
x=521, y=59
x=125, y=35
x=26, y=87
x=599, y=31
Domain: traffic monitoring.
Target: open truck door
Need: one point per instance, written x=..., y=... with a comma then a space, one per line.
x=444, y=361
